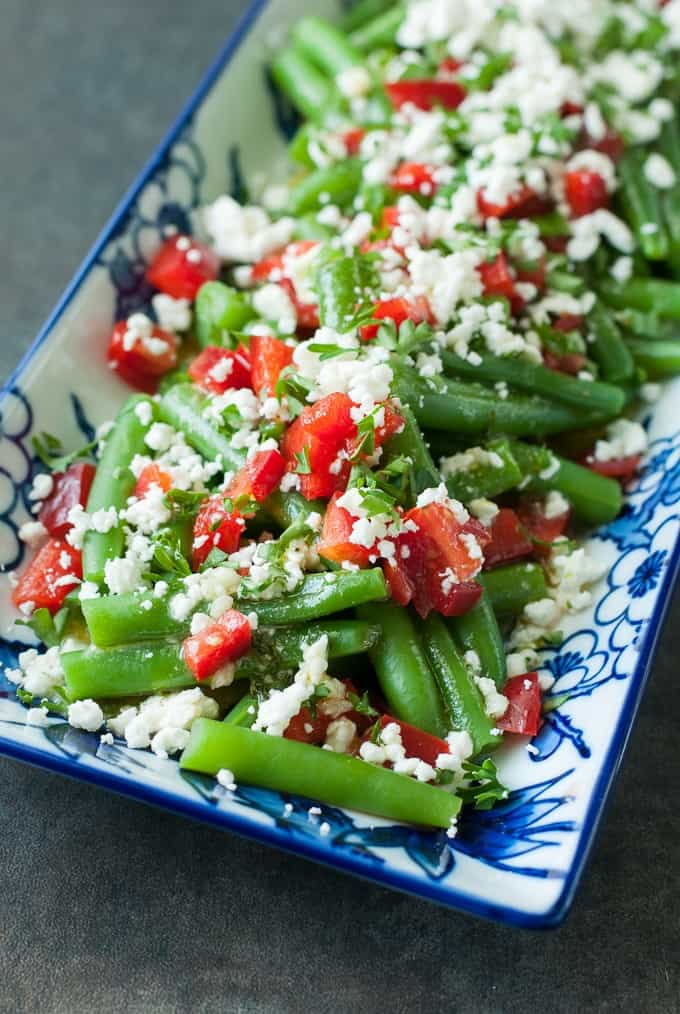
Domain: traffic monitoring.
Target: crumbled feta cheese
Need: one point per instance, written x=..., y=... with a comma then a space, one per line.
x=625, y=439
x=85, y=715
x=244, y=234
x=42, y=486
x=226, y=779
x=659, y=171
x=32, y=532
x=276, y=711
x=495, y=703
x=172, y=314
x=37, y=716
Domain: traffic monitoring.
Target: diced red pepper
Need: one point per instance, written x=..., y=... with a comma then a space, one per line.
x=221, y=642
x=150, y=476
x=449, y=65
x=611, y=144
x=215, y=528
x=570, y=362
x=335, y=542
x=268, y=357
x=567, y=322
x=425, y=93
x=523, y=203
x=352, y=139
x=543, y=530
x=389, y=217
x=536, y=275
x=585, y=192
x=272, y=268
x=508, y=542
x=53, y=572
x=417, y=742
x=570, y=108
x=402, y=589
x=397, y=310
x=181, y=267
x=617, y=468
x=259, y=477
x=322, y=431
x=414, y=178
x=523, y=715
x=70, y=488
x=499, y=280
x=216, y=369
x=308, y=728
x=145, y=360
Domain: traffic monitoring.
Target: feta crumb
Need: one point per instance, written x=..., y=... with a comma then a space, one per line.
x=658, y=171
x=42, y=486
x=495, y=703
x=226, y=779
x=85, y=715
x=37, y=716
x=32, y=532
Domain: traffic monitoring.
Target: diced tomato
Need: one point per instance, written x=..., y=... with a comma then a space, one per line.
x=524, y=203
x=307, y=728
x=216, y=645
x=543, y=530
x=216, y=369
x=259, y=477
x=570, y=362
x=585, y=192
x=352, y=139
x=335, y=543
x=70, y=488
x=499, y=280
x=417, y=742
x=215, y=528
x=398, y=310
x=618, y=468
x=425, y=93
x=181, y=267
x=414, y=178
x=145, y=360
x=436, y=561
x=322, y=430
x=268, y=357
x=53, y=572
x=152, y=475
x=523, y=715
x=508, y=542
x=567, y=322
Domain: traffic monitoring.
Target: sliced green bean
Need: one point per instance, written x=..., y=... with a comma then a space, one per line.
x=410, y=443
x=130, y=670
x=658, y=358
x=380, y=31
x=478, y=631
x=114, y=483
x=362, y=12
x=511, y=588
x=403, y=672
x=335, y=184
x=243, y=713
x=184, y=407
x=463, y=701
x=219, y=311
x=307, y=88
x=657, y=294
x=324, y=44
x=534, y=378
x=607, y=347
x=334, y=778
x=485, y=479
x=336, y=286
x=119, y=619
x=642, y=204
x=595, y=499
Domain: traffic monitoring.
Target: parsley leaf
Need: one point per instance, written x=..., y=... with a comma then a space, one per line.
x=47, y=628
x=51, y=452
x=485, y=790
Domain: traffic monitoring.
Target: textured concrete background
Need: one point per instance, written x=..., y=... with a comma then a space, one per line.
x=107, y=905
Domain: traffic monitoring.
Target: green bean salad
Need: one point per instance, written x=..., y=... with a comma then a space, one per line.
x=378, y=404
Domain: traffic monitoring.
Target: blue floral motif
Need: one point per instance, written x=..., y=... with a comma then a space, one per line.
x=646, y=577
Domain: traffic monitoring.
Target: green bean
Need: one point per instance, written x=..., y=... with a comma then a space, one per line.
x=114, y=483
x=463, y=409
x=595, y=499
x=119, y=619
x=657, y=358
x=306, y=87
x=335, y=184
x=531, y=458
x=184, y=407
x=657, y=294
x=325, y=45
x=219, y=312
x=463, y=701
x=608, y=347
x=649, y=326
x=564, y=281
x=411, y=444
x=511, y=588
x=669, y=143
x=484, y=479
x=361, y=12
x=130, y=670
x=286, y=509
x=403, y=672
x=243, y=713
x=641, y=201
x=334, y=778
x=538, y=379
x=336, y=286
x=478, y=631
x=380, y=31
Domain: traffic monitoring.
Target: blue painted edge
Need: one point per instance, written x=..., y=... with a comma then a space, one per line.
x=365, y=868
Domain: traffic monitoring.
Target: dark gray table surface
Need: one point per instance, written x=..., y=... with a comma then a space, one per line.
x=107, y=905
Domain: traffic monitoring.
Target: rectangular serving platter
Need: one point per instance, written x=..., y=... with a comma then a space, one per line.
x=519, y=863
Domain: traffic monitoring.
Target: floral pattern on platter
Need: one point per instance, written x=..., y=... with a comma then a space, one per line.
x=518, y=862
